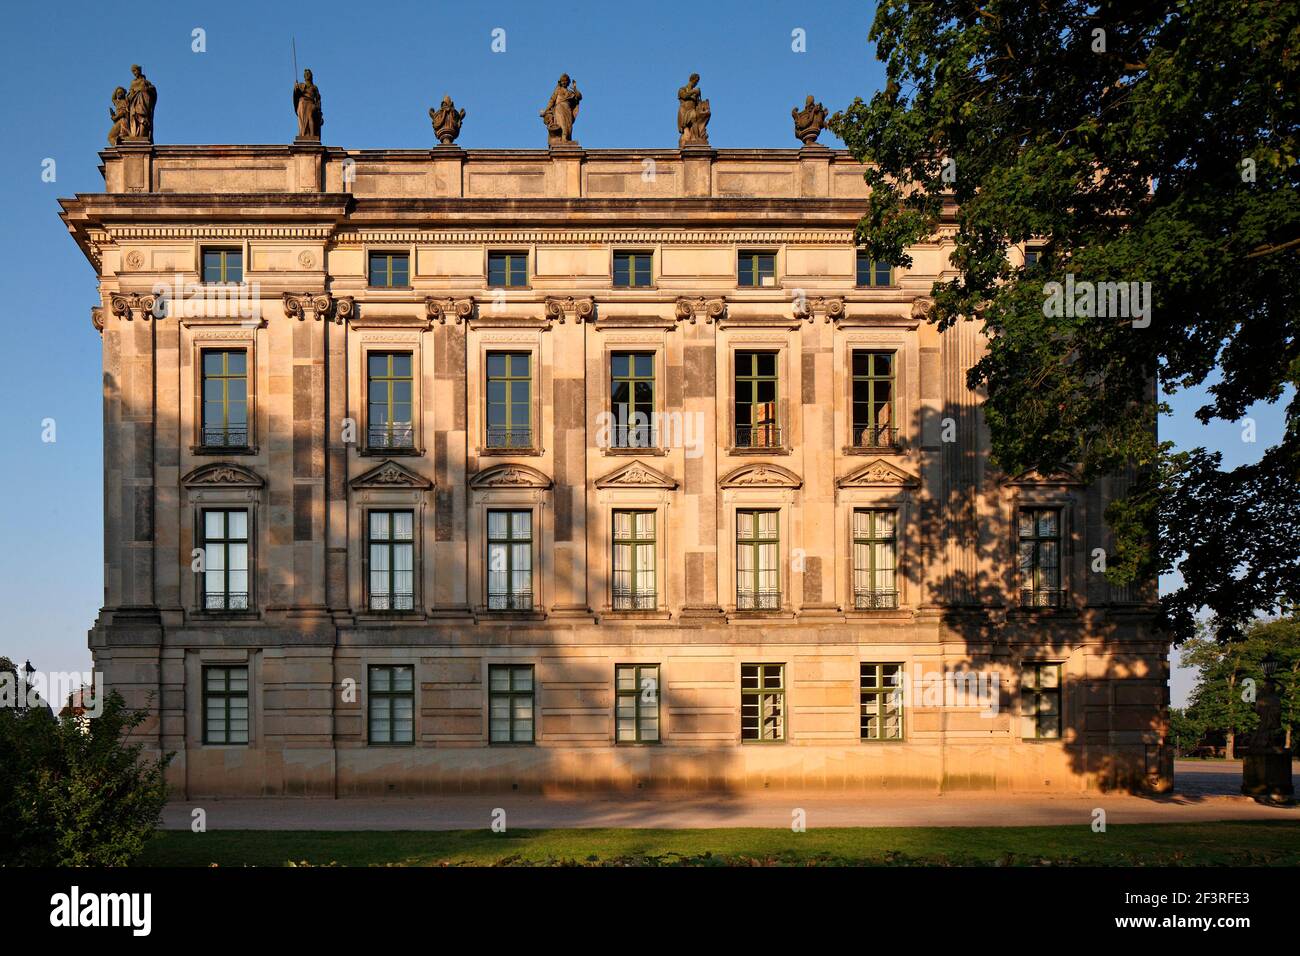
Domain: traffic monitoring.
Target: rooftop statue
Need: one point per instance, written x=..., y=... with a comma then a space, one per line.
x=306, y=103
x=118, y=113
x=809, y=121
x=446, y=121
x=561, y=112
x=692, y=114
x=141, y=98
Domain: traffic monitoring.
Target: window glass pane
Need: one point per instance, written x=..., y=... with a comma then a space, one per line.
x=214, y=524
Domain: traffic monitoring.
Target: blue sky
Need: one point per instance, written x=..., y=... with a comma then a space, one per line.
x=379, y=67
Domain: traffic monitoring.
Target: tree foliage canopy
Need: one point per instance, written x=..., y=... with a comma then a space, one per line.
x=1138, y=142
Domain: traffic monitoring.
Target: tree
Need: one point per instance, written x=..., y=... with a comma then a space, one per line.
x=1153, y=141
x=1185, y=730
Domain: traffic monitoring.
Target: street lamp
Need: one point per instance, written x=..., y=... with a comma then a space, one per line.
x=28, y=671
x=1269, y=663
x=1266, y=771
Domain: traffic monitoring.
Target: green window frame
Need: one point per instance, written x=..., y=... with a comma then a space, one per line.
x=758, y=559
x=224, y=581
x=222, y=264
x=509, y=400
x=225, y=704
x=1039, y=534
x=875, y=558
x=633, y=270
x=225, y=398
x=389, y=270
x=756, y=398
x=756, y=269
x=390, y=554
x=511, y=704
x=874, y=385
x=390, y=396
x=507, y=270
x=873, y=273
x=762, y=703
x=634, y=584
x=636, y=705
x=632, y=399
x=1040, y=700
x=510, y=560
x=390, y=704
x=882, y=688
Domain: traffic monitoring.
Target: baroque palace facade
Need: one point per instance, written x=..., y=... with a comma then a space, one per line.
x=441, y=470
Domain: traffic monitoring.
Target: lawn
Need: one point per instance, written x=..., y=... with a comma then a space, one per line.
x=1204, y=844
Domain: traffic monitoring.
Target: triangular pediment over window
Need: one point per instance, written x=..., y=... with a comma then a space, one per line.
x=761, y=476
x=878, y=473
x=636, y=474
x=510, y=476
x=222, y=474
x=1065, y=476
x=389, y=474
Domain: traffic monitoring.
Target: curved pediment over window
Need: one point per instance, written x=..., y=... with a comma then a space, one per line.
x=636, y=474
x=222, y=474
x=761, y=476
x=878, y=473
x=510, y=476
x=390, y=474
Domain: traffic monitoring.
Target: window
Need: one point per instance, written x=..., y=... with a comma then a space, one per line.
x=636, y=714
x=507, y=270
x=510, y=560
x=391, y=546
x=225, y=398
x=1040, y=557
x=225, y=560
x=1033, y=255
x=223, y=265
x=634, y=561
x=873, y=399
x=882, y=701
x=874, y=559
x=874, y=272
x=510, y=703
x=755, y=269
x=762, y=702
x=225, y=705
x=632, y=270
x=392, y=704
x=390, y=390
x=755, y=403
x=390, y=270
x=632, y=399
x=509, y=400
x=758, y=580
x=1040, y=701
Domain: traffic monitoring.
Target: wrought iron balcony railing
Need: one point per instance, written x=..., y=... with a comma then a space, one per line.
x=229, y=601
x=626, y=600
x=867, y=600
x=396, y=601
x=875, y=436
x=1042, y=597
x=502, y=438
x=510, y=600
x=758, y=600
x=758, y=436
x=633, y=436
x=225, y=436
x=391, y=435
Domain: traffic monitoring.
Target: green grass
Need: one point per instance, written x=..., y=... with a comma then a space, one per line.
x=1204, y=844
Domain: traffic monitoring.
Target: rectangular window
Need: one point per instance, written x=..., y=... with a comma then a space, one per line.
x=632, y=399
x=509, y=400
x=756, y=269
x=510, y=703
x=1033, y=255
x=634, y=561
x=882, y=701
x=390, y=270
x=510, y=560
x=391, y=546
x=632, y=270
x=507, y=270
x=1040, y=557
x=392, y=704
x=875, y=558
x=390, y=389
x=873, y=399
x=225, y=705
x=636, y=713
x=758, y=546
x=762, y=702
x=223, y=265
x=755, y=400
x=1040, y=701
x=225, y=560
x=874, y=273
x=225, y=398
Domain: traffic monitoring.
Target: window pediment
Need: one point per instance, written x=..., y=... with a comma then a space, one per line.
x=222, y=474
x=389, y=474
x=1033, y=478
x=761, y=476
x=636, y=474
x=510, y=476
x=878, y=473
